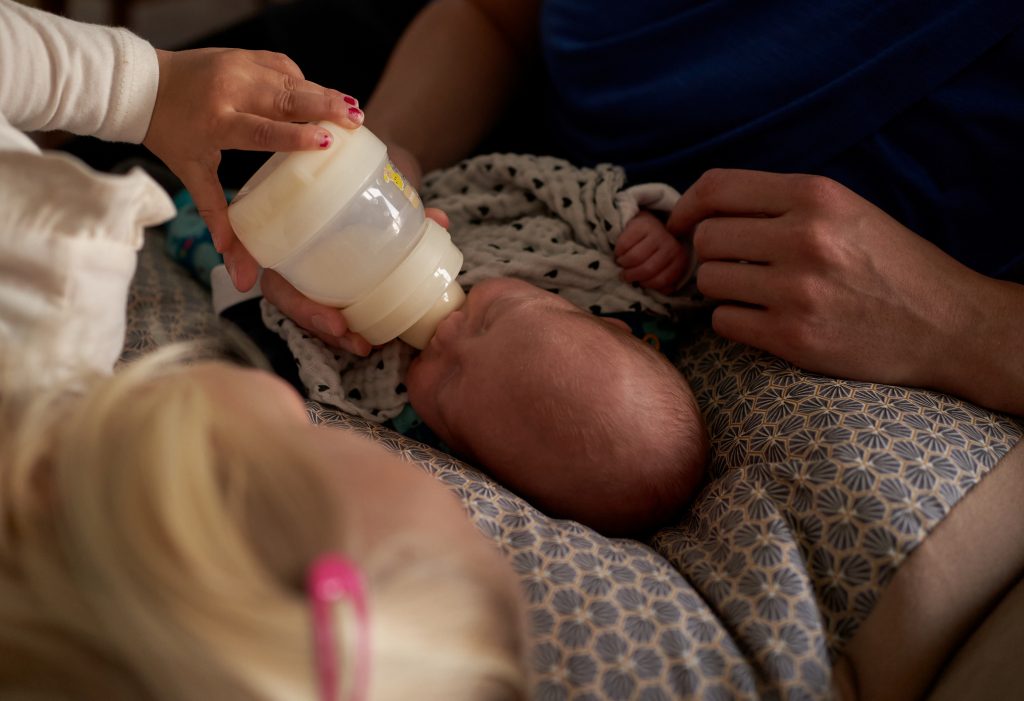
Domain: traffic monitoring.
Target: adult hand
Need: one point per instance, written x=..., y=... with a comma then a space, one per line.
x=407, y=163
x=214, y=99
x=650, y=255
x=810, y=271
x=326, y=323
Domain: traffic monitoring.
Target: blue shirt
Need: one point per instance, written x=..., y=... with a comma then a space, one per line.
x=917, y=105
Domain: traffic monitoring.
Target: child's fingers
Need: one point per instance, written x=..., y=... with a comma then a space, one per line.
x=241, y=266
x=248, y=132
x=351, y=342
x=276, y=61
x=201, y=180
x=301, y=102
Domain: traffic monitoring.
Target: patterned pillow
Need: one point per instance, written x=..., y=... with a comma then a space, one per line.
x=165, y=304
x=817, y=490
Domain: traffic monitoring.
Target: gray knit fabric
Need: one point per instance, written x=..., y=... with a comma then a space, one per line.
x=535, y=218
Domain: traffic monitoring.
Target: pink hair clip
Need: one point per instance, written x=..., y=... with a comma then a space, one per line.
x=332, y=580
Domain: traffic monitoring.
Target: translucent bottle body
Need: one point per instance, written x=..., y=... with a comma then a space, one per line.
x=346, y=229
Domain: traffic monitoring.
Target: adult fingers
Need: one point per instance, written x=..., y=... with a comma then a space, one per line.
x=755, y=239
x=748, y=283
x=327, y=323
x=438, y=215
x=732, y=192
x=747, y=325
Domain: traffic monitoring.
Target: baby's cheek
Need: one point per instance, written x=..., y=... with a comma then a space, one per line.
x=416, y=379
x=422, y=383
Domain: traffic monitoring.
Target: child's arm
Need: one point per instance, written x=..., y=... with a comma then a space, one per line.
x=59, y=74
x=651, y=256
x=184, y=106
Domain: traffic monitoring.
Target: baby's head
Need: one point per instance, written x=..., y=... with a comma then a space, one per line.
x=566, y=408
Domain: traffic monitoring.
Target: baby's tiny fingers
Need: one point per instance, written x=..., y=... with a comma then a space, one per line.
x=630, y=237
x=639, y=252
x=667, y=280
x=650, y=267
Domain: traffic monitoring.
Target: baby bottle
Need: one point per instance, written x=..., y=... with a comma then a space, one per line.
x=347, y=230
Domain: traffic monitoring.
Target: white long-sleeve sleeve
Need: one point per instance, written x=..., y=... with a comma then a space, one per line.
x=69, y=238
x=68, y=235
x=59, y=74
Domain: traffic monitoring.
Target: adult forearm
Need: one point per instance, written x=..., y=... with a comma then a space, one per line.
x=450, y=77
x=989, y=369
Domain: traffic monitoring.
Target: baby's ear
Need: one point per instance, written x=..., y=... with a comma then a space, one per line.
x=617, y=324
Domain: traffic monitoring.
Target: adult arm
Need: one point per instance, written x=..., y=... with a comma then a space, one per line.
x=810, y=271
x=451, y=75
x=448, y=79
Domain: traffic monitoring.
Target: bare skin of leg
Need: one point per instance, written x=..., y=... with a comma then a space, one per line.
x=941, y=594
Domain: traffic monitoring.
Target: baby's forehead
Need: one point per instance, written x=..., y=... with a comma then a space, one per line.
x=562, y=336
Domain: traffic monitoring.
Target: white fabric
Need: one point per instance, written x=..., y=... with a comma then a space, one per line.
x=539, y=219
x=68, y=235
x=68, y=242
x=82, y=78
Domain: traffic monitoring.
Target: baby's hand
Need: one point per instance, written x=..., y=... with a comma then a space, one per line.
x=650, y=255
x=214, y=99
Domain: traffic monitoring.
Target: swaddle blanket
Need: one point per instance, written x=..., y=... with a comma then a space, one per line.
x=536, y=218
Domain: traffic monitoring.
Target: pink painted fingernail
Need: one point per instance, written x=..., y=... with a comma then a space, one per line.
x=351, y=100
x=324, y=139
x=355, y=114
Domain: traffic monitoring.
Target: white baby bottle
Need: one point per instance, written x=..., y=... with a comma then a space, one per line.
x=347, y=230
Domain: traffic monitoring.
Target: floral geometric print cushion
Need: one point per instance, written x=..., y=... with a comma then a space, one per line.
x=817, y=490
x=165, y=305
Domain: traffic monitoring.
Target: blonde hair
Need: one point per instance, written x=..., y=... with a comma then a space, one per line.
x=153, y=546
